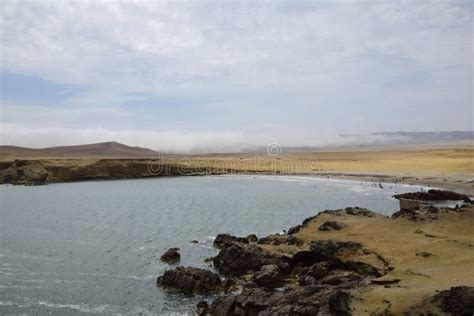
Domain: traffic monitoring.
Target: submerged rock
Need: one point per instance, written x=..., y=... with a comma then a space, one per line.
x=171, y=256
x=190, y=280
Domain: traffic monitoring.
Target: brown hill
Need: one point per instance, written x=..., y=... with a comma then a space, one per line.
x=99, y=150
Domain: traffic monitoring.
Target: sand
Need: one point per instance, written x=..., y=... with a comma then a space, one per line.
x=395, y=243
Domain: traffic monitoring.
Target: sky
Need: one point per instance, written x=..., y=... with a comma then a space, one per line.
x=224, y=75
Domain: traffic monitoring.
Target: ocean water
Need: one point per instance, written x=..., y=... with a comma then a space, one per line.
x=94, y=247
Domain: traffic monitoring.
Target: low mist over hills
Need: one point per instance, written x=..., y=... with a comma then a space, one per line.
x=118, y=150
x=431, y=137
x=99, y=150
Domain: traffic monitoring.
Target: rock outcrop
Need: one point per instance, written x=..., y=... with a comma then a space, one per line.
x=434, y=195
x=331, y=225
x=222, y=240
x=190, y=280
x=171, y=256
x=293, y=274
x=307, y=300
x=269, y=276
x=458, y=301
x=238, y=259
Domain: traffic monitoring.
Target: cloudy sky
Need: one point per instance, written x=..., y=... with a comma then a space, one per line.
x=222, y=74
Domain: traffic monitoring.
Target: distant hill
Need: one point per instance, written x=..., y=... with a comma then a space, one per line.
x=99, y=150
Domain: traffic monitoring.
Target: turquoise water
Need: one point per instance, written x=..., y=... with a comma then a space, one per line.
x=94, y=247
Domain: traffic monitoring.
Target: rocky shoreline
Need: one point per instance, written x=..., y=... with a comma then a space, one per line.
x=44, y=171
x=325, y=266
x=39, y=172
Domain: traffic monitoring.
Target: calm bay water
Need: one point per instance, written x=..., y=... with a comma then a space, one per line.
x=94, y=247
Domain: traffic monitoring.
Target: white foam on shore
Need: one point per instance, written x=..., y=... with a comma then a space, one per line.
x=358, y=185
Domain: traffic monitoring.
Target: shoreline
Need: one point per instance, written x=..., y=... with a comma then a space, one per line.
x=342, y=262
x=38, y=172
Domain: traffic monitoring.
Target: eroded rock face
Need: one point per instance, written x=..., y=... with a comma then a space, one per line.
x=318, y=270
x=190, y=280
x=340, y=303
x=434, y=195
x=458, y=301
x=171, y=256
x=222, y=240
x=236, y=260
x=355, y=211
x=202, y=308
x=280, y=240
x=331, y=225
x=306, y=300
x=269, y=276
x=424, y=213
x=324, y=251
x=252, y=238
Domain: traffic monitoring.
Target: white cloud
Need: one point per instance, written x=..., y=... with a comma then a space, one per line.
x=304, y=63
x=183, y=141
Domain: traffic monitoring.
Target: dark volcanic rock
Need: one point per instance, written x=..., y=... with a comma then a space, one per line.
x=458, y=301
x=190, y=280
x=239, y=259
x=425, y=213
x=297, y=228
x=361, y=268
x=171, y=256
x=224, y=239
x=294, y=229
x=324, y=250
x=269, y=276
x=202, y=308
x=434, y=195
x=280, y=240
x=252, y=238
x=331, y=225
x=304, y=300
x=223, y=305
x=318, y=270
x=340, y=303
x=357, y=211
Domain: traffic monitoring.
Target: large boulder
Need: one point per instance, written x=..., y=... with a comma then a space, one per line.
x=280, y=240
x=340, y=303
x=190, y=280
x=304, y=300
x=269, y=276
x=457, y=301
x=331, y=225
x=239, y=259
x=202, y=308
x=324, y=251
x=171, y=256
x=222, y=240
x=434, y=195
